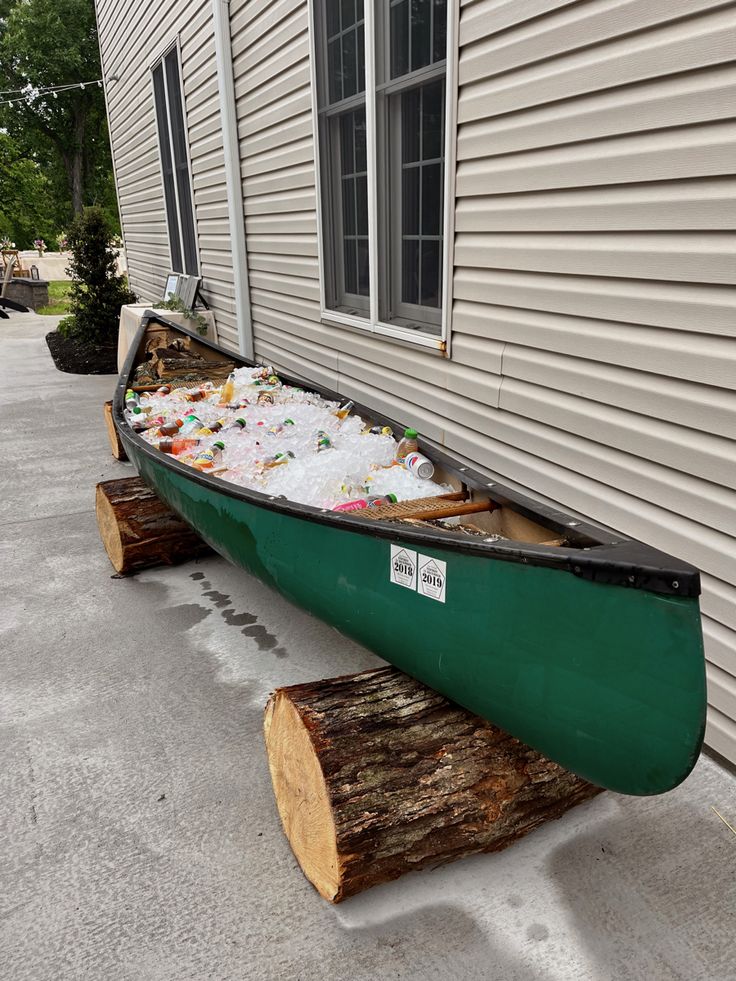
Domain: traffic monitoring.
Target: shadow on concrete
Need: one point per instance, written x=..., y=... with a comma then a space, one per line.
x=634, y=885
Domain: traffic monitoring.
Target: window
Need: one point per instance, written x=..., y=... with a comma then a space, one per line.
x=172, y=141
x=381, y=137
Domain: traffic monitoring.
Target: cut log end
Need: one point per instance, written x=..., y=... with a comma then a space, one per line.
x=376, y=775
x=139, y=531
x=301, y=795
x=116, y=445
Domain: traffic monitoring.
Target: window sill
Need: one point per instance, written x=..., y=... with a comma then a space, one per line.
x=406, y=337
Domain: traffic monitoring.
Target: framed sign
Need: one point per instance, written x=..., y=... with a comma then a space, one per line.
x=172, y=286
x=34, y=272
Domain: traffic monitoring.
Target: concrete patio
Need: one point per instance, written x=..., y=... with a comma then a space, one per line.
x=140, y=836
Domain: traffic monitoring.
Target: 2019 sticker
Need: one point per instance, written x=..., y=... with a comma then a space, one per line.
x=432, y=578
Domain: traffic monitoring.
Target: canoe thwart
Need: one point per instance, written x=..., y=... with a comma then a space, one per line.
x=427, y=509
x=360, y=763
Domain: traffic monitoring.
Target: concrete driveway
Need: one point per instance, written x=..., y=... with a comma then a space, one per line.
x=139, y=835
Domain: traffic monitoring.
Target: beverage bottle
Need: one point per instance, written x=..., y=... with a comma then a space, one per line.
x=407, y=445
x=197, y=395
x=213, y=428
x=278, y=460
x=344, y=411
x=206, y=458
x=419, y=465
x=238, y=424
x=131, y=400
x=171, y=428
x=177, y=445
x=228, y=389
x=266, y=398
x=373, y=501
x=323, y=440
x=190, y=424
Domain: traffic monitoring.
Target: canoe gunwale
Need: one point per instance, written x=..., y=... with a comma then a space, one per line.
x=611, y=558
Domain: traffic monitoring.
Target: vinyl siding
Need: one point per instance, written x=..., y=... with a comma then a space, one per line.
x=149, y=29
x=593, y=344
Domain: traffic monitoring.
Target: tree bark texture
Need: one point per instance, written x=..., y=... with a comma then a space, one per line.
x=116, y=445
x=376, y=775
x=138, y=530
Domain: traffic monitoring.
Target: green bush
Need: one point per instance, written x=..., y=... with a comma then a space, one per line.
x=97, y=291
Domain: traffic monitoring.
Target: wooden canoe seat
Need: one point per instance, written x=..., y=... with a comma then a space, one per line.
x=427, y=508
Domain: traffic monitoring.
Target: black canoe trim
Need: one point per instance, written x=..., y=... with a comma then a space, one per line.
x=599, y=554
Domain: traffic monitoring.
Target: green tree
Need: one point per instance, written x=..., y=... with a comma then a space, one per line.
x=98, y=291
x=47, y=43
x=26, y=198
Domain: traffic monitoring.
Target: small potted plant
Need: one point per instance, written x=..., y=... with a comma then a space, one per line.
x=40, y=246
x=5, y=243
x=62, y=242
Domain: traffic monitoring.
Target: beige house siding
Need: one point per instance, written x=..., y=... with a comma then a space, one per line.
x=593, y=324
x=132, y=35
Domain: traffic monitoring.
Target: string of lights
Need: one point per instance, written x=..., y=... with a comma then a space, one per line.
x=29, y=94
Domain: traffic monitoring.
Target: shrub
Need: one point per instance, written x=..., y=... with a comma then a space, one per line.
x=97, y=291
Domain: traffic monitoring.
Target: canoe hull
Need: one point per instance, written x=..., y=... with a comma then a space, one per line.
x=608, y=681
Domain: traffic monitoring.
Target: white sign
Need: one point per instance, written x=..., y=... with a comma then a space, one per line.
x=432, y=578
x=403, y=567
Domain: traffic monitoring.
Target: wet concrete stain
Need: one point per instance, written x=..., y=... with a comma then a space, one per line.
x=264, y=640
x=233, y=619
x=219, y=599
x=515, y=901
x=537, y=931
x=187, y=615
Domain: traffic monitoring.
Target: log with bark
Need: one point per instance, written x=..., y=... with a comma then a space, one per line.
x=116, y=445
x=376, y=775
x=138, y=530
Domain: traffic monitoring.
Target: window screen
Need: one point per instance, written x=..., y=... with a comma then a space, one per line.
x=172, y=139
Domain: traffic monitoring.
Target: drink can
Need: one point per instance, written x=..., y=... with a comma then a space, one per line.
x=419, y=465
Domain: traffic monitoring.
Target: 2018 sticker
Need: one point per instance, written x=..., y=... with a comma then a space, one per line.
x=403, y=567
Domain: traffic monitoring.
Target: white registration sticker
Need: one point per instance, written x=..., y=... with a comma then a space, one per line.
x=432, y=578
x=403, y=567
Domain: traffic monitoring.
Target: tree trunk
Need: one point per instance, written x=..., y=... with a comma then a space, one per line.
x=376, y=775
x=138, y=530
x=116, y=445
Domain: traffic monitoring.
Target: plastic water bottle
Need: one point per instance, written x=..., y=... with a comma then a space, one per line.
x=407, y=445
x=206, y=459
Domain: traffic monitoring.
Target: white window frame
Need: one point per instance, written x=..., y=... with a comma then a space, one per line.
x=159, y=60
x=372, y=324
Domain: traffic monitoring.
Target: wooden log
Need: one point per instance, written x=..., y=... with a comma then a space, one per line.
x=138, y=530
x=116, y=445
x=376, y=775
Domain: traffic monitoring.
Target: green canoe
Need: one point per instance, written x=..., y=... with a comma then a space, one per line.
x=585, y=644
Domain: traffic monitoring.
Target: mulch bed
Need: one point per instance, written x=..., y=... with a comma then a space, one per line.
x=80, y=358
